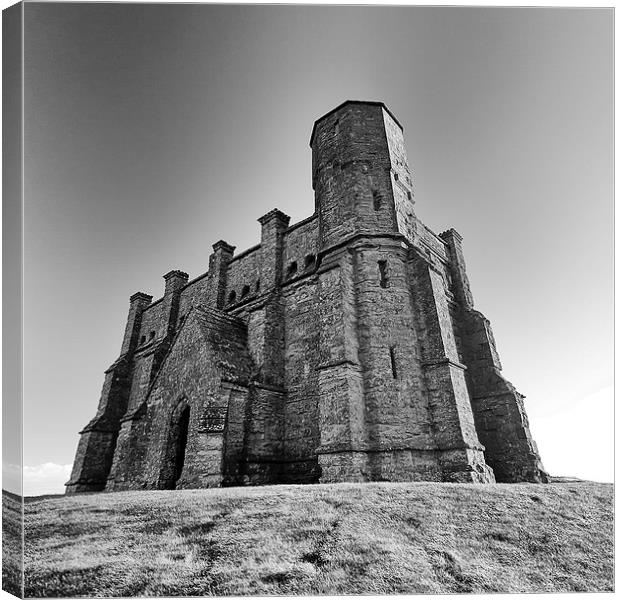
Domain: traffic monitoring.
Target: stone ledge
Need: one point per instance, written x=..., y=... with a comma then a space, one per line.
x=337, y=364
x=121, y=361
x=443, y=361
x=99, y=425
x=234, y=385
x=284, y=461
x=496, y=394
x=367, y=450
x=399, y=237
x=269, y=387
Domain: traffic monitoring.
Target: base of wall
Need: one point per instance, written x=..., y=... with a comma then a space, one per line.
x=116, y=486
x=459, y=465
x=526, y=467
x=205, y=481
x=82, y=487
x=261, y=473
x=343, y=466
x=300, y=471
x=465, y=465
x=504, y=430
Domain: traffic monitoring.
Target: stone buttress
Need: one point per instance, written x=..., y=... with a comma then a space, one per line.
x=498, y=408
x=98, y=439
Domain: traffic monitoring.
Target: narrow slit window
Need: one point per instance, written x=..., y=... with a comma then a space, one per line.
x=409, y=195
x=310, y=261
x=393, y=363
x=292, y=269
x=383, y=279
x=143, y=339
x=232, y=297
x=245, y=291
x=258, y=285
x=337, y=127
x=449, y=278
x=376, y=200
x=152, y=335
x=396, y=176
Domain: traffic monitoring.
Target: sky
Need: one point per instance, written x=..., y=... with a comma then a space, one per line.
x=152, y=131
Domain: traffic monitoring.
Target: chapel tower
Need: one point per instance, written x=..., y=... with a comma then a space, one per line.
x=394, y=402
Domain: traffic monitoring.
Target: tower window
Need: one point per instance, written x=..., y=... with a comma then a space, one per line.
x=143, y=339
x=396, y=176
x=292, y=269
x=376, y=200
x=152, y=335
x=393, y=363
x=409, y=195
x=383, y=279
x=257, y=288
x=245, y=291
x=232, y=297
x=310, y=261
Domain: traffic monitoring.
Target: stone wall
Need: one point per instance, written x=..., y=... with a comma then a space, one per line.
x=300, y=250
x=195, y=293
x=397, y=414
x=152, y=326
x=400, y=175
x=264, y=437
x=243, y=277
x=301, y=426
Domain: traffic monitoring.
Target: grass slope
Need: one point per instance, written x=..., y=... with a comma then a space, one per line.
x=11, y=543
x=377, y=538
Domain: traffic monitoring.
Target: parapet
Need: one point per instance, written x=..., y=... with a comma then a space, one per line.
x=175, y=280
x=140, y=296
x=175, y=273
x=223, y=246
x=451, y=233
x=340, y=106
x=274, y=214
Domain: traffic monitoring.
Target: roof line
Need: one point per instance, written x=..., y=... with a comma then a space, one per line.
x=369, y=102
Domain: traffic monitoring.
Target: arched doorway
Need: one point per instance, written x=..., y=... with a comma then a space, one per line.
x=180, y=444
x=176, y=445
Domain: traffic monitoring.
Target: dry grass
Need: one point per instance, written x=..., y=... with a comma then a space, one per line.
x=378, y=538
x=11, y=543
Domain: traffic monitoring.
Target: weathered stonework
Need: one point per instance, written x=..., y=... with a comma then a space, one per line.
x=345, y=347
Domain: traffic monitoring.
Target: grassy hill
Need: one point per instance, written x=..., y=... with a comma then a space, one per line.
x=373, y=538
x=11, y=543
